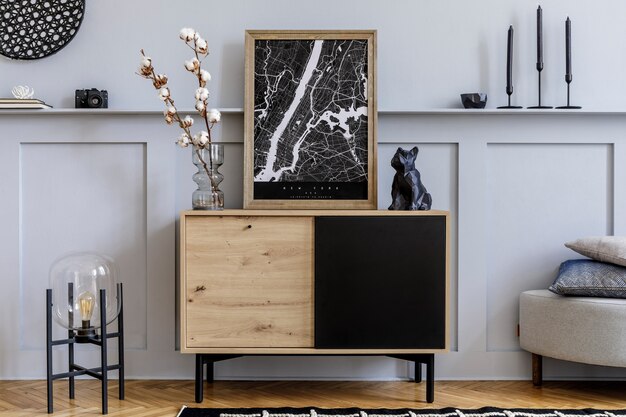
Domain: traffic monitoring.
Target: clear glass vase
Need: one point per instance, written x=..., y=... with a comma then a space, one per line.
x=208, y=196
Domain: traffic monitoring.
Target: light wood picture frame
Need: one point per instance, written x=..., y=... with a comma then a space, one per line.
x=310, y=119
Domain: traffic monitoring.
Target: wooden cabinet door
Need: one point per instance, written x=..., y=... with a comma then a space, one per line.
x=248, y=282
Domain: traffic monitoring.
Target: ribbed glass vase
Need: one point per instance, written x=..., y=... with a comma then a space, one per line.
x=208, y=196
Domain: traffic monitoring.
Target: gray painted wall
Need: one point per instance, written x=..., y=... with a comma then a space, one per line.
x=429, y=50
x=512, y=181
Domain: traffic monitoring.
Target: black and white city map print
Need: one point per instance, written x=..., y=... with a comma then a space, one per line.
x=311, y=119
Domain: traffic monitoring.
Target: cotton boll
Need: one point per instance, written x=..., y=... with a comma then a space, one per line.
x=160, y=80
x=204, y=139
x=187, y=121
x=202, y=46
x=202, y=94
x=192, y=65
x=145, y=67
x=164, y=93
x=205, y=75
x=201, y=138
x=187, y=34
x=214, y=116
x=183, y=141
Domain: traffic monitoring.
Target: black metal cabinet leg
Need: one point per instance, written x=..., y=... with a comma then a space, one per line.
x=418, y=372
x=429, y=360
x=430, y=378
x=199, y=377
x=210, y=371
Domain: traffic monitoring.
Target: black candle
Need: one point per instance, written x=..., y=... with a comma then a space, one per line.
x=509, y=62
x=539, y=39
x=568, y=51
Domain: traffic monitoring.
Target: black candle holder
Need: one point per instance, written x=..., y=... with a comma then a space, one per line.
x=509, y=105
x=568, y=61
x=539, y=106
x=568, y=105
x=86, y=336
x=509, y=69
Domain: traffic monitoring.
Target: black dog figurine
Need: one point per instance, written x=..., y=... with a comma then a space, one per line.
x=407, y=190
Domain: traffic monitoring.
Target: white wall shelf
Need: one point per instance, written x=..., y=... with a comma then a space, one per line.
x=384, y=112
x=103, y=112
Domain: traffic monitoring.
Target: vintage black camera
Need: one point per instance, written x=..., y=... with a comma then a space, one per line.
x=92, y=99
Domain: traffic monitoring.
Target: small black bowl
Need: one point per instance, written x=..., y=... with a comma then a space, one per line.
x=474, y=100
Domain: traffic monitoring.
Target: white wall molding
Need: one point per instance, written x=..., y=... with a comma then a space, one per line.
x=467, y=161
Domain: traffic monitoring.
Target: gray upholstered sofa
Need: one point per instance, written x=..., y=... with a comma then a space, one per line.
x=580, y=329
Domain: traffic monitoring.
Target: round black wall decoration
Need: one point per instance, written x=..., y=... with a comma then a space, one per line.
x=33, y=29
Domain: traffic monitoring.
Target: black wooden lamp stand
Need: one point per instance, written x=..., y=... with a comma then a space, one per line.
x=86, y=336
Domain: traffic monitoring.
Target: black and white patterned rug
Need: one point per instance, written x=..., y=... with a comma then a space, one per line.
x=402, y=412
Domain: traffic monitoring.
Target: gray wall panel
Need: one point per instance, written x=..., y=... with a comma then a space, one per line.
x=540, y=196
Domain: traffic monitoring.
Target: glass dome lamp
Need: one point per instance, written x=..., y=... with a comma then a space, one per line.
x=85, y=296
x=76, y=280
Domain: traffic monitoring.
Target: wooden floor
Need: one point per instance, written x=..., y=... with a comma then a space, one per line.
x=164, y=398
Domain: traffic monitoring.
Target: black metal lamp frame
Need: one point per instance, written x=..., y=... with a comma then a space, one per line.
x=76, y=336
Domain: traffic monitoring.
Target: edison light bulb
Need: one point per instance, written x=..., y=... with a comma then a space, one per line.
x=86, y=302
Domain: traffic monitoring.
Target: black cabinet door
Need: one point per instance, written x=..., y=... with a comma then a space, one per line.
x=380, y=282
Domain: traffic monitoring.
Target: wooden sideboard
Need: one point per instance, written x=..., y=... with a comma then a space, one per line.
x=313, y=282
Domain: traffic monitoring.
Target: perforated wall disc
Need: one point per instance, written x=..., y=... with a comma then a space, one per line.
x=33, y=29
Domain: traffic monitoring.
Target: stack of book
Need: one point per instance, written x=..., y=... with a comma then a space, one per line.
x=22, y=103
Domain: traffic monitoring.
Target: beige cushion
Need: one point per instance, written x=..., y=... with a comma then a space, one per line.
x=579, y=329
x=610, y=249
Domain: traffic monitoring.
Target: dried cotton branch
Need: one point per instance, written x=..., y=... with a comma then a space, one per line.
x=202, y=139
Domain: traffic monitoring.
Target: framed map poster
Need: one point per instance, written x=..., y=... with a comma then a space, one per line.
x=310, y=120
